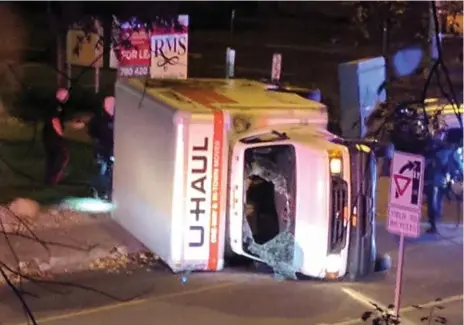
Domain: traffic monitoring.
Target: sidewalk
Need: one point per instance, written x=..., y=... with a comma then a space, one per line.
x=61, y=241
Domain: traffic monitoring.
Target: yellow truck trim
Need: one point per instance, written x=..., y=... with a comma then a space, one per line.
x=194, y=95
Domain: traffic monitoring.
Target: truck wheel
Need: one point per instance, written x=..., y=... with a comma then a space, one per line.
x=382, y=263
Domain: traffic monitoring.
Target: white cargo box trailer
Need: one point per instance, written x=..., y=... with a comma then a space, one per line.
x=172, y=147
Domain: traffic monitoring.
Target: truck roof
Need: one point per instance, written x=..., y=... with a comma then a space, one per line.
x=195, y=95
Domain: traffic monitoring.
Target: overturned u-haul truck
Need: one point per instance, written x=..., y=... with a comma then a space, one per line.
x=208, y=168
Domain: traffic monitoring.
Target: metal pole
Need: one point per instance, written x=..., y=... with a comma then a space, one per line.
x=433, y=30
x=232, y=23
x=399, y=276
x=69, y=75
x=97, y=80
x=385, y=38
x=385, y=53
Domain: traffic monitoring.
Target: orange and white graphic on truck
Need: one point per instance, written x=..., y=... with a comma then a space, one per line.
x=205, y=181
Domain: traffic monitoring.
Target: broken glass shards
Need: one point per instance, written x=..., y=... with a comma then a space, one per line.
x=282, y=254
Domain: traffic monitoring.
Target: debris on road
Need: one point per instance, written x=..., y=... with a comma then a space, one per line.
x=43, y=242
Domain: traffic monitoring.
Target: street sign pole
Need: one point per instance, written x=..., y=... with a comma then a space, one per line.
x=404, y=208
x=399, y=276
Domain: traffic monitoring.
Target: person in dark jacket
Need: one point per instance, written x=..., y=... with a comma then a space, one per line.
x=101, y=131
x=56, y=151
x=437, y=170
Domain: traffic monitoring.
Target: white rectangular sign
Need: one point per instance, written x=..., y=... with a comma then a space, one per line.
x=169, y=51
x=406, y=189
x=276, y=66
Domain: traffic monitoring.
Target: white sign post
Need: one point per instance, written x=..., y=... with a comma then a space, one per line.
x=230, y=63
x=404, y=206
x=276, y=67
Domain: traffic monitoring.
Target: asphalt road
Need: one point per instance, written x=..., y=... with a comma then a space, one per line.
x=237, y=296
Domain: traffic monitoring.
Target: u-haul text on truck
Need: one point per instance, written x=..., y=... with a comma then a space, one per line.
x=203, y=190
x=205, y=168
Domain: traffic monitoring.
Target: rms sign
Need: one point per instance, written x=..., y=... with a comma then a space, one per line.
x=169, y=47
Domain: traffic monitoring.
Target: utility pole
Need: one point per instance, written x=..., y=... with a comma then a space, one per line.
x=59, y=44
x=433, y=52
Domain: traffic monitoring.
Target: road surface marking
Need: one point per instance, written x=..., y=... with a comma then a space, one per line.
x=434, y=303
x=367, y=301
x=90, y=311
x=430, y=304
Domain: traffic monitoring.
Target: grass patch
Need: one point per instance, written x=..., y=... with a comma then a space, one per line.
x=22, y=165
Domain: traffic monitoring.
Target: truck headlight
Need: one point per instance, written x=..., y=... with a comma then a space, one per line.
x=335, y=165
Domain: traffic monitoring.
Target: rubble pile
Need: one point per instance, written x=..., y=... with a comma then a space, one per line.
x=122, y=262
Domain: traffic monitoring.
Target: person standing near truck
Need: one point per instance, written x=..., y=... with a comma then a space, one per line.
x=56, y=151
x=101, y=131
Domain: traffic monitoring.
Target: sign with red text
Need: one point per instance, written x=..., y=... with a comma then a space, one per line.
x=169, y=50
x=405, y=201
x=134, y=52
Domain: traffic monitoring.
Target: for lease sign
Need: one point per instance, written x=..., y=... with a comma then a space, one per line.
x=134, y=52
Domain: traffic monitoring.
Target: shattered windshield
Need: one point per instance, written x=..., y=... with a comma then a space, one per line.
x=269, y=222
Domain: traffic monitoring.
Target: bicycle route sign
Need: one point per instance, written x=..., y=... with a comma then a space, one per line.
x=406, y=189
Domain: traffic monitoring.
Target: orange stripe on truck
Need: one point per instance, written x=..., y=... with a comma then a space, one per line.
x=216, y=182
x=207, y=98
